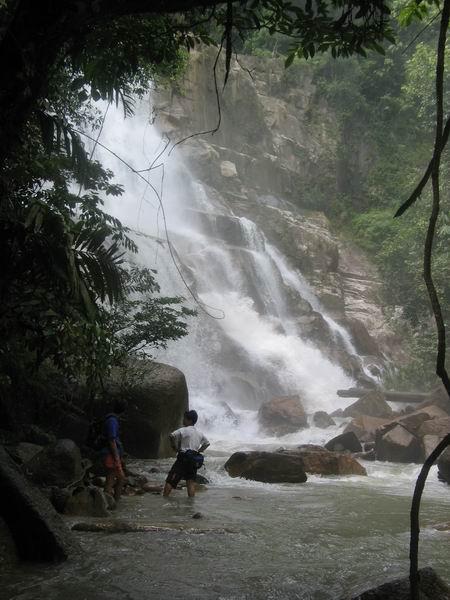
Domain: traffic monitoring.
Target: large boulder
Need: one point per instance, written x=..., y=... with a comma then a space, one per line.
x=365, y=427
x=38, y=531
x=268, y=467
x=431, y=588
x=443, y=464
x=59, y=464
x=372, y=404
x=319, y=461
x=157, y=400
x=439, y=427
x=283, y=415
x=23, y=452
x=439, y=397
x=323, y=420
x=87, y=501
x=346, y=441
x=397, y=444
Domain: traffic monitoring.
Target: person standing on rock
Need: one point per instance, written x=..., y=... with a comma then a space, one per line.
x=189, y=443
x=113, y=452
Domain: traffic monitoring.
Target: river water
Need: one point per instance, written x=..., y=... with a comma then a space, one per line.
x=321, y=540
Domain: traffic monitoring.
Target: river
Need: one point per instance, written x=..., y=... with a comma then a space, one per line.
x=321, y=540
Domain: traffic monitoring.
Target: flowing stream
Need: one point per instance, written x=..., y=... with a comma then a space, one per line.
x=322, y=540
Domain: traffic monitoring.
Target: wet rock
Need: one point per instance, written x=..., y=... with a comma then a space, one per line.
x=197, y=515
x=88, y=502
x=344, y=442
x=155, y=470
x=429, y=443
x=99, y=481
x=268, y=467
x=439, y=427
x=364, y=342
x=397, y=444
x=59, y=464
x=38, y=531
x=228, y=169
x=153, y=488
x=372, y=404
x=24, y=452
x=438, y=397
x=369, y=455
x=443, y=464
x=8, y=551
x=323, y=420
x=36, y=435
x=59, y=498
x=337, y=413
x=431, y=588
x=201, y=479
x=282, y=415
x=320, y=461
x=365, y=427
x=156, y=400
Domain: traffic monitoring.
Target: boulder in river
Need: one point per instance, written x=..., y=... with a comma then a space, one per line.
x=38, y=531
x=346, y=441
x=320, y=461
x=365, y=427
x=87, y=501
x=431, y=588
x=323, y=420
x=443, y=464
x=268, y=467
x=157, y=400
x=397, y=444
x=439, y=427
x=59, y=464
x=372, y=404
x=283, y=415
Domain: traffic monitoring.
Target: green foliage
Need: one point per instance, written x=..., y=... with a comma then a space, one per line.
x=64, y=281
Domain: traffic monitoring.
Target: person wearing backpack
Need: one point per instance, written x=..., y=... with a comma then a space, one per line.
x=112, y=452
x=189, y=443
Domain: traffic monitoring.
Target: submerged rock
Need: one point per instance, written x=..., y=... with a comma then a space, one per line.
x=268, y=467
x=345, y=441
x=431, y=588
x=283, y=415
x=323, y=420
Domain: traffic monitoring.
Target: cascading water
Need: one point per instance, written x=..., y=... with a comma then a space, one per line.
x=250, y=346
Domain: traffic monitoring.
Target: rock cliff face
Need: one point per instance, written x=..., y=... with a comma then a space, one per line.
x=272, y=154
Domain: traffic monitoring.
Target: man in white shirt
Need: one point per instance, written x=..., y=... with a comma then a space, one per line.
x=189, y=442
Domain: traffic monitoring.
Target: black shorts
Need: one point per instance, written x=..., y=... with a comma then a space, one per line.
x=182, y=468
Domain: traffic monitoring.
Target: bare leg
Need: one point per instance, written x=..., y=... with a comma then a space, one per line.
x=190, y=484
x=167, y=489
x=120, y=482
x=110, y=481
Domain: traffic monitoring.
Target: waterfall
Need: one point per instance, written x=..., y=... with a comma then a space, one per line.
x=250, y=346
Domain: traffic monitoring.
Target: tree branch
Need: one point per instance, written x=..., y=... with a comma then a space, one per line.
x=432, y=293
x=422, y=183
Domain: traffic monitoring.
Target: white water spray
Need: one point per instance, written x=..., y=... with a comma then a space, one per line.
x=256, y=350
